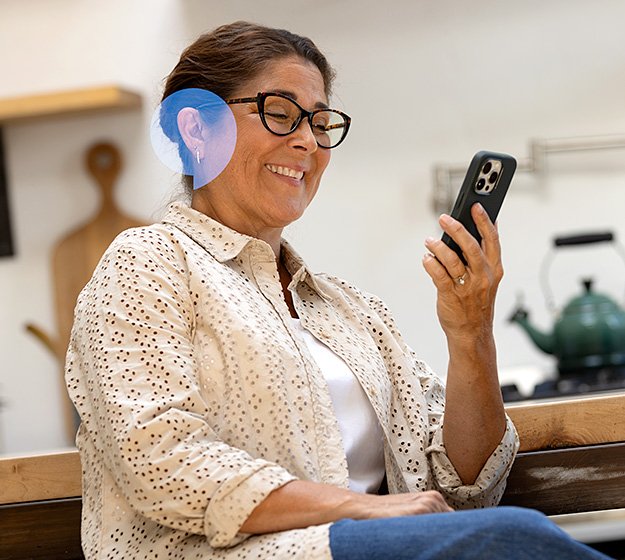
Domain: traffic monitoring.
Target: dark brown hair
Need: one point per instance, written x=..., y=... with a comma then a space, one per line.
x=231, y=55
x=223, y=60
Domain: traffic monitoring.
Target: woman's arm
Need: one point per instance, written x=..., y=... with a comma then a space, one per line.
x=132, y=373
x=301, y=503
x=474, y=421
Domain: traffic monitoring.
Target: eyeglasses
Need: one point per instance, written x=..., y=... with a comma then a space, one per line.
x=281, y=115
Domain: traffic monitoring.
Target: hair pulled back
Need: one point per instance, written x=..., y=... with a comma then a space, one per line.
x=225, y=59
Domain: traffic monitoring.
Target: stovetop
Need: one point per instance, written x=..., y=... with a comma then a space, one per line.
x=571, y=383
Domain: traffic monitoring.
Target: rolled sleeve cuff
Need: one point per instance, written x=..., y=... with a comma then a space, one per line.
x=490, y=483
x=234, y=502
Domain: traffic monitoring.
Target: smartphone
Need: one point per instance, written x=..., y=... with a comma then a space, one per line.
x=487, y=181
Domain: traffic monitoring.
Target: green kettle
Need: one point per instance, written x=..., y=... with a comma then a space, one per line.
x=589, y=333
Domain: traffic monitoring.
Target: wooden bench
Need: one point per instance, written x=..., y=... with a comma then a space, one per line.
x=40, y=503
x=572, y=459
x=572, y=455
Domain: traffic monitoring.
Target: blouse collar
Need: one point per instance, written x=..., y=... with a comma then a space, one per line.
x=225, y=244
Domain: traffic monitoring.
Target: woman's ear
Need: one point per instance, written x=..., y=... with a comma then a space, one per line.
x=191, y=126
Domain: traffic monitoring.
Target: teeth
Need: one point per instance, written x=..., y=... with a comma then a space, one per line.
x=285, y=171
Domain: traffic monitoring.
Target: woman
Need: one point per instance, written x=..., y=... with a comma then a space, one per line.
x=236, y=405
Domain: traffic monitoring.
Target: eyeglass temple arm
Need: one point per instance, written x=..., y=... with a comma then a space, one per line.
x=242, y=100
x=333, y=126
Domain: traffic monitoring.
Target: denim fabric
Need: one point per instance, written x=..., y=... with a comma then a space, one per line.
x=508, y=533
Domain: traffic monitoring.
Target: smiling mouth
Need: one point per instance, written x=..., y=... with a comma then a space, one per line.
x=286, y=171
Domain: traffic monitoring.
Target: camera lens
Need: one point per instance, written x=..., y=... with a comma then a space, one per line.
x=493, y=177
x=487, y=167
x=480, y=184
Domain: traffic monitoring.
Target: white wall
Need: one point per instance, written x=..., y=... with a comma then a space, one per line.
x=425, y=82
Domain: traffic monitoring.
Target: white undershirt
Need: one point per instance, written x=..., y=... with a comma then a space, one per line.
x=361, y=432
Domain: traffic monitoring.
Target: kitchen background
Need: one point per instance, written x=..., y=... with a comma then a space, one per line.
x=426, y=83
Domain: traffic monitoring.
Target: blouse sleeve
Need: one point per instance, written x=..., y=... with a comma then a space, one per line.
x=132, y=375
x=490, y=484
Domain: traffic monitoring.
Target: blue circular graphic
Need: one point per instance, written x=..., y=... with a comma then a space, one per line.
x=193, y=132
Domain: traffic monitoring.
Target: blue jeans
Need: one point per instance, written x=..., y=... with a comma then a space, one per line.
x=502, y=533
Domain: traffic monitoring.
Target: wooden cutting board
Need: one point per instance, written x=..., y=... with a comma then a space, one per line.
x=76, y=255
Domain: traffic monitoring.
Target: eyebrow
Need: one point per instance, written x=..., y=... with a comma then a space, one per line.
x=318, y=105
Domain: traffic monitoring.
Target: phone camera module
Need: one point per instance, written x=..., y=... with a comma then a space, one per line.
x=488, y=177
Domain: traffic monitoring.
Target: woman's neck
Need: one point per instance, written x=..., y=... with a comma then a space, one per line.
x=229, y=218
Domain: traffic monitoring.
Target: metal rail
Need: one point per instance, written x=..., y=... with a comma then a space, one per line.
x=444, y=191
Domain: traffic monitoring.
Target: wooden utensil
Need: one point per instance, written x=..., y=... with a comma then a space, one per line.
x=76, y=255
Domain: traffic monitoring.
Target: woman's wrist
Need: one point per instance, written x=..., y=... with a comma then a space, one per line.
x=301, y=503
x=357, y=506
x=472, y=349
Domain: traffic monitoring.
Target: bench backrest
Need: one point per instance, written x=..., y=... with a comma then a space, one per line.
x=571, y=460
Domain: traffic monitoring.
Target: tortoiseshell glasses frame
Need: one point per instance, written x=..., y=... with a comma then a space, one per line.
x=329, y=126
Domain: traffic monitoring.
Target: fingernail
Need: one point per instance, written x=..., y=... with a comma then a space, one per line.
x=480, y=208
x=429, y=240
x=445, y=219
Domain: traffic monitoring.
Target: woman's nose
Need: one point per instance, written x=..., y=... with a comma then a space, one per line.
x=302, y=137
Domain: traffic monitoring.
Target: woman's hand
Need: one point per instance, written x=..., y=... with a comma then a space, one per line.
x=370, y=506
x=466, y=294
x=302, y=503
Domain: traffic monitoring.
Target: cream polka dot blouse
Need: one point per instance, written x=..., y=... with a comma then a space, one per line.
x=197, y=398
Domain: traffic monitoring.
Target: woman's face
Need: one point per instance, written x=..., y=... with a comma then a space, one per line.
x=270, y=179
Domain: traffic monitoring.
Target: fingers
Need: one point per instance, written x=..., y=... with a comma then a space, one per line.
x=414, y=503
x=434, y=502
x=489, y=233
x=442, y=264
x=490, y=241
x=478, y=257
x=467, y=243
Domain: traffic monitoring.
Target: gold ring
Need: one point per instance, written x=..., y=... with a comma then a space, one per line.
x=461, y=279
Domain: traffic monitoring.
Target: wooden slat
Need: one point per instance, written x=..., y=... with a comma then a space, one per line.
x=40, y=477
x=13, y=109
x=49, y=530
x=586, y=478
x=570, y=422
x=571, y=480
x=543, y=425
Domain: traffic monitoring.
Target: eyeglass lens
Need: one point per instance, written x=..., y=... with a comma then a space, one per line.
x=282, y=115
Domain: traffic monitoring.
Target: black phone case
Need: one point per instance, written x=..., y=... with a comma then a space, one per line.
x=467, y=196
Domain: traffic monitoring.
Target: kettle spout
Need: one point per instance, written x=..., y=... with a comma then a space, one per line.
x=544, y=341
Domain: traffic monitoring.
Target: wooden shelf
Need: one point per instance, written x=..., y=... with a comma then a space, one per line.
x=49, y=105
x=66, y=103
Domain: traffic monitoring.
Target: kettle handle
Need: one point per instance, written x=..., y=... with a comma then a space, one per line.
x=583, y=239
x=569, y=241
